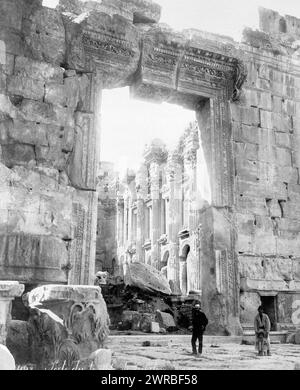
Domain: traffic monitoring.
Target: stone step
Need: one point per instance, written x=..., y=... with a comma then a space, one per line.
x=163, y=340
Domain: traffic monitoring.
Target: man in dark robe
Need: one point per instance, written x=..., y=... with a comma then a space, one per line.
x=199, y=323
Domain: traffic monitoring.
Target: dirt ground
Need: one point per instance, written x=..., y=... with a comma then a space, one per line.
x=217, y=355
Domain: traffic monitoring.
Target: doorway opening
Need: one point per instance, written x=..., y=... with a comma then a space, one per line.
x=269, y=304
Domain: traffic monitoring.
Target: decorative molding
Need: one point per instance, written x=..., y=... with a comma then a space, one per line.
x=94, y=42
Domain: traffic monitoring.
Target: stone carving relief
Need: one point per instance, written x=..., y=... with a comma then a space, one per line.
x=62, y=330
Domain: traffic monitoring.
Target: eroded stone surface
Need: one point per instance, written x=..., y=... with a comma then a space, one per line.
x=74, y=318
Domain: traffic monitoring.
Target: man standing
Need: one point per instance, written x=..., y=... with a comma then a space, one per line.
x=262, y=327
x=199, y=322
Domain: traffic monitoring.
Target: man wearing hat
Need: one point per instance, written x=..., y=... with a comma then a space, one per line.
x=199, y=323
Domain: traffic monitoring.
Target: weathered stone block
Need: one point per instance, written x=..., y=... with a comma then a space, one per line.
x=46, y=113
x=28, y=133
x=266, y=119
x=283, y=139
x=13, y=41
x=18, y=340
x=283, y=157
x=258, y=99
x=246, y=150
x=26, y=87
x=245, y=169
x=38, y=70
x=244, y=133
x=251, y=267
x=11, y=13
x=45, y=35
x=282, y=123
x=165, y=320
x=17, y=154
x=244, y=115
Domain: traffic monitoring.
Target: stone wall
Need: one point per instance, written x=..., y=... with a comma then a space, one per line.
x=47, y=151
x=266, y=136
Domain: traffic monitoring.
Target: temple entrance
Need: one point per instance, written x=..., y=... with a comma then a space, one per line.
x=269, y=304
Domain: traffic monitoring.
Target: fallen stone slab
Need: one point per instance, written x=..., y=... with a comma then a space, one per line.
x=146, y=278
x=165, y=321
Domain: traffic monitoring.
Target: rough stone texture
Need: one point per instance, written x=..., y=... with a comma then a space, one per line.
x=146, y=278
x=53, y=65
x=75, y=319
x=219, y=353
x=7, y=361
x=8, y=291
x=165, y=320
x=267, y=174
x=17, y=341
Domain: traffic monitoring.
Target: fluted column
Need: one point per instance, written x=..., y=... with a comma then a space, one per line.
x=141, y=192
x=155, y=228
x=174, y=181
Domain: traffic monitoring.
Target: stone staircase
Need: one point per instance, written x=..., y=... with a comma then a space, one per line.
x=276, y=337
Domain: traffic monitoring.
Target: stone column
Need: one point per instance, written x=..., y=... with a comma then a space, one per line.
x=82, y=173
x=8, y=292
x=120, y=227
x=155, y=228
x=125, y=239
x=141, y=191
x=174, y=180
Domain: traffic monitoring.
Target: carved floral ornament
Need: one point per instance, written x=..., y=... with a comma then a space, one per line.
x=171, y=54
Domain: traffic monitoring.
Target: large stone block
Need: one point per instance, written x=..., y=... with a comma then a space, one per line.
x=251, y=267
x=245, y=115
x=247, y=151
x=17, y=154
x=45, y=35
x=11, y=13
x=37, y=70
x=165, y=320
x=146, y=278
x=46, y=113
x=13, y=41
x=28, y=133
x=32, y=257
x=258, y=99
x=26, y=87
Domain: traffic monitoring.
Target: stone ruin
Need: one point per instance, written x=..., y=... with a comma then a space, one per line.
x=54, y=63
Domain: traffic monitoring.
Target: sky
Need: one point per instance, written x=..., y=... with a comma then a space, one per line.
x=127, y=125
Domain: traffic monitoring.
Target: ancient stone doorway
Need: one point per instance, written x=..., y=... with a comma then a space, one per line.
x=269, y=304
